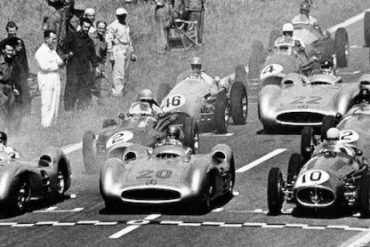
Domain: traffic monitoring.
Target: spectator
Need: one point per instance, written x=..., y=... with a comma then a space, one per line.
x=48, y=78
x=89, y=13
x=10, y=151
x=195, y=12
x=10, y=75
x=120, y=50
x=163, y=20
x=101, y=52
x=80, y=51
x=57, y=17
x=21, y=59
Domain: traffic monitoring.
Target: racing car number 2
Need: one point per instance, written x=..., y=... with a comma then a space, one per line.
x=172, y=102
x=122, y=136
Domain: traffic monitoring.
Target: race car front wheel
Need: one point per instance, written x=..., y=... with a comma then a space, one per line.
x=307, y=142
x=367, y=28
x=364, y=204
x=275, y=196
x=341, y=47
x=23, y=194
x=191, y=134
x=239, y=97
x=294, y=166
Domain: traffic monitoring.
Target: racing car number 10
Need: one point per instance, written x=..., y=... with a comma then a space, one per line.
x=172, y=102
x=312, y=177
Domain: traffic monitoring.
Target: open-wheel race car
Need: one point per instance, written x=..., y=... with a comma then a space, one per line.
x=166, y=176
x=299, y=100
x=282, y=60
x=336, y=175
x=210, y=104
x=139, y=126
x=23, y=181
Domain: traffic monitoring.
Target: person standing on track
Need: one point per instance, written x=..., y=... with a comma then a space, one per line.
x=120, y=50
x=48, y=78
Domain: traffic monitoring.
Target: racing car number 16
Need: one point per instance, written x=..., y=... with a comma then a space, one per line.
x=172, y=102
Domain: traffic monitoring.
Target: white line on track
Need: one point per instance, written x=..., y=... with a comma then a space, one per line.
x=72, y=147
x=260, y=160
x=131, y=228
x=348, y=22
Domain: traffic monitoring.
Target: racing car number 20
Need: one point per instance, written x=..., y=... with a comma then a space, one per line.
x=148, y=174
x=311, y=100
x=172, y=102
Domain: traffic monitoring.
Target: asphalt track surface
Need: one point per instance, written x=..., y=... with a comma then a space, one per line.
x=82, y=221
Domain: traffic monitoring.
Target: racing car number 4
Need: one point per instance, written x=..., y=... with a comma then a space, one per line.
x=271, y=69
x=172, y=102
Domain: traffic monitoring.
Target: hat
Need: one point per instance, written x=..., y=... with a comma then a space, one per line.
x=89, y=11
x=121, y=11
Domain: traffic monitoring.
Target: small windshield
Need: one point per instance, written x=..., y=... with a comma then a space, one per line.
x=140, y=108
x=305, y=34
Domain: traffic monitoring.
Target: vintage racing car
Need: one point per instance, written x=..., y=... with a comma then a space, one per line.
x=209, y=104
x=284, y=59
x=167, y=175
x=336, y=176
x=139, y=127
x=299, y=100
x=24, y=180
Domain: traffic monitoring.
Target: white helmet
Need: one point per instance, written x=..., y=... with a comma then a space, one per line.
x=288, y=27
x=89, y=11
x=196, y=61
x=121, y=11
x=146, y=95
x=333, y=134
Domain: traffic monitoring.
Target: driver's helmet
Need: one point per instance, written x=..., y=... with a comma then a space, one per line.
x=196, y=64
x=288, y=29
x=146, y=95
x=173, y=132
x=364, y=95
x=365, y=81
x=304, y=8
x=327, y=67
x=3, y=138
x=333, y=134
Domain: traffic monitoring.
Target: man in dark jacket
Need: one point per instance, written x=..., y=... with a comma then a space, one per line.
x=79, y=48
x=195, y=12
x=20, y=58
x=10, y=77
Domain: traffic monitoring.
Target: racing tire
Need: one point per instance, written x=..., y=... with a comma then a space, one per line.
x=162, y=92
x=89, y=152
x=108, y=123
x=238, y=101
x=307, y=142
x=272, y=38
x=341, y=47
x=206, y=205
x=327, y=123
x=221, y=116
x=191, y=134
x=61, y=183
x=22, y=195
x=364, y=205
x=367, y=28
x=275, y=196
x=256, y=60
x=294, y=166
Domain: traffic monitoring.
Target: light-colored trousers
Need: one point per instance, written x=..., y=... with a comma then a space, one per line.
x=121, y=55
x=49, y=85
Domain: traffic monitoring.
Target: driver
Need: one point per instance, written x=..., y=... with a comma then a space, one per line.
x=327, y=67
x=196, y=72
x=12, y=153
x=304, y=16
x=172, y=137
x=363, y=96
x=146, y=95
x=288, y=39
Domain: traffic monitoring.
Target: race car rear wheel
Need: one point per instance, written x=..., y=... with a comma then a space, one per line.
x=256, y=60
x=341, y=47
x=364, y=204
x=327, y=123
x=108, y=123
x=238, y=101
x=162, y=92
x=221, y=115
x=191, y=134
x=367, y=28
x=307, y=142
x=23, y=194
x=294, y=166
x=89, y=152
x=275, y=196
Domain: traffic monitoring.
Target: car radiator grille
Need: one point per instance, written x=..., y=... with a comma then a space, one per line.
x=315, y=197
x=301, y=117
x=151, y=195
